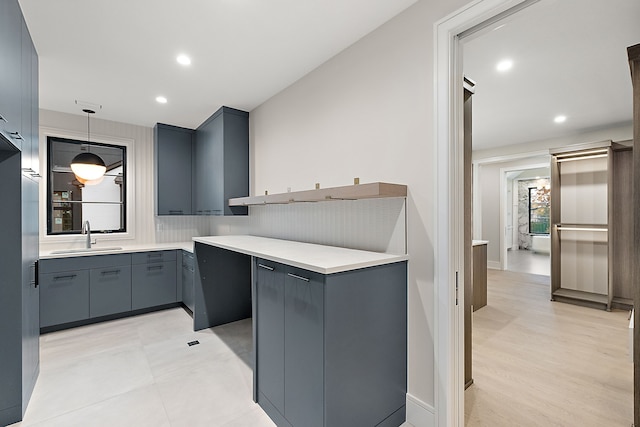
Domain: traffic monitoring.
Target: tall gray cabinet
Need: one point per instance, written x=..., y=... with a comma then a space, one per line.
x=19, y=298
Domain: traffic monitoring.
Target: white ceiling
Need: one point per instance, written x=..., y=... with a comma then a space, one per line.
x=121, y=53
x=569, y=58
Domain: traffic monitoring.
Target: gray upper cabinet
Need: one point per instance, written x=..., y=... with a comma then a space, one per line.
x=10, y=70
x=174, y=153
x=209, y=171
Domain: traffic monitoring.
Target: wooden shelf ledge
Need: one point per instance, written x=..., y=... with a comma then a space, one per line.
x=374, y=190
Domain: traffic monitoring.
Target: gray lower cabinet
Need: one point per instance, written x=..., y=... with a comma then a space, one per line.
x=109, y=290
x=153, y=279
x=331, y=349
x=188, y=265
x=77, y=289
x=64, y=297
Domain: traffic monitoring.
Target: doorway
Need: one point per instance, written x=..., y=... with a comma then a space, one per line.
x=448, y=242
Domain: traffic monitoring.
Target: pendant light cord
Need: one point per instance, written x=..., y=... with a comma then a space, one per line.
x=88, y=111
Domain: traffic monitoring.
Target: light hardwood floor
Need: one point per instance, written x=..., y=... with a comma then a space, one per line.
x=543, y=363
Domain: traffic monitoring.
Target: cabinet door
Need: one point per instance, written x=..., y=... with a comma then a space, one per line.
x=174, y=169
x=64, y=297
x=270, y=332
x=209, y=167
x=30, y=291
x=153, y=284
x=25, y=96
x=10, y=52
x=109, y=290
x=304, y=348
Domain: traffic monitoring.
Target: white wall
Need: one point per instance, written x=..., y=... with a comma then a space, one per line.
x=368, y=113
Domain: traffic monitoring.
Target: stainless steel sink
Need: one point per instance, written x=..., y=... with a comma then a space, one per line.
x=85, y=250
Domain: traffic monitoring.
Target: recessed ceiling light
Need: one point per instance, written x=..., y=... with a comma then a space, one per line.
x=504, y=65
x=161, y=100
x=560, y=119
x=183, y=60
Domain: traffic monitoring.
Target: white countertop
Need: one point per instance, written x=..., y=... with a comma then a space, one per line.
x=479, y=242
x=187, y=246
x=319, y=258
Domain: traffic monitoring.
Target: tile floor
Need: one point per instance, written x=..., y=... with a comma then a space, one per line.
x=524, y=261
x=139, y=371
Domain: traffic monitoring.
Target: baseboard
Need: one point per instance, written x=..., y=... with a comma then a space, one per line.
x=494, y=265
x=420, y=414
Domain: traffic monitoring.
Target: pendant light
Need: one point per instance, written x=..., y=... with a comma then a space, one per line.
x=87, y=166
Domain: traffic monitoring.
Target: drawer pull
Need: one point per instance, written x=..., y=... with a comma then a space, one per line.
x=175, y=212
x=16, y=135
x=155, y=267
x=104, y=273
x=295, y=276
x=266, y=267
x=68, y=277
x=3, y=119
x=154, y=255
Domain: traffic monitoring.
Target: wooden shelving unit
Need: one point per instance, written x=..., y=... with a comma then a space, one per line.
x=374, y=190
x=589, y=246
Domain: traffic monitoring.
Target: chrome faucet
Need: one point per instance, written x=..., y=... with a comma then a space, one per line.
x=86, y=229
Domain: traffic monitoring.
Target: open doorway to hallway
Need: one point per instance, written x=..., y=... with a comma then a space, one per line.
x=524, y=345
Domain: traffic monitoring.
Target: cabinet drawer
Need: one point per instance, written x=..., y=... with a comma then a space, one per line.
x=52, y=265
x=153, y=256
x=64, y=297
x=153, y=284
x=110, y=290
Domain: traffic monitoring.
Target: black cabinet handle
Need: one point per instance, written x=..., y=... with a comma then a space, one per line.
x=155, y=267
x=104, y=273
x=295, y=276
x=3, y=119
x=16, y=135
x=68, y=277
x=175, y=212
x=266, y=267
x=154, y=255
x=36, y=273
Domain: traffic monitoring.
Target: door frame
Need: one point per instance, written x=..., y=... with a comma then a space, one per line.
x=449, y=206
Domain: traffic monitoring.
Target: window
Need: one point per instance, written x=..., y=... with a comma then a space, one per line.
x=539, y=199
x=70, y=203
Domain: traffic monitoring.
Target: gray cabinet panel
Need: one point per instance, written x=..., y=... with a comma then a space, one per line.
x=209, y=167
x=222, y=286
x=236, y=160
x=109, y=290
x=304, y=348
x=30, y=291
x=365, y=345
x=174, y=169
x=153, y=284
x=187, y=279
x=10, y=69
x=270, y=333
x=64, y=297
x=10, y=289
x=52, y=265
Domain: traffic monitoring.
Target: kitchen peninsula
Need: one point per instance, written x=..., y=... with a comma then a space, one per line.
x=329, y=326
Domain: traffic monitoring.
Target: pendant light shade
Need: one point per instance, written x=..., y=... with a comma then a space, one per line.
x=88, y=166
